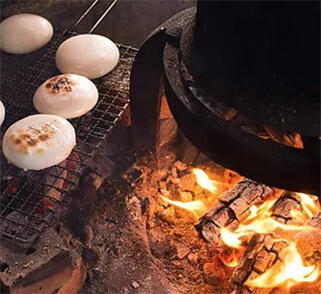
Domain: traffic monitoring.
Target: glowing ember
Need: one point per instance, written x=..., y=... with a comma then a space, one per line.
x=291, y=270
x=204, y=181
x=197, y=207
x=287, y=273
x=259, y=221
x=309, y=204
x=232, y=260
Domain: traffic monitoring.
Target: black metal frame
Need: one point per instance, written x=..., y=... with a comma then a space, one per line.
x=30, y=201
x=262, y=160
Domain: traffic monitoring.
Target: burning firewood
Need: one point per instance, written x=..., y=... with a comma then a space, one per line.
x=233, y=206
x=263, y=266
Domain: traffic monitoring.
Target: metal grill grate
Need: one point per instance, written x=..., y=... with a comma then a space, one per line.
x=31, y=200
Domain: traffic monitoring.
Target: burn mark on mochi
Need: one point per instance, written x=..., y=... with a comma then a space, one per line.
x=60, y=84
x=25, y=139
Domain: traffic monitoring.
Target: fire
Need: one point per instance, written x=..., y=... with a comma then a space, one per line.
x=287, y=273
x=204, y=181
x=291, y=270
x=259, y=222
x=231, y=239
x=232, y=259
x=196, y=207
x=309, y=204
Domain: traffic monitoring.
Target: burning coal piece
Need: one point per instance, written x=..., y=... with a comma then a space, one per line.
x=272, y=260
x=233, y=207
x=249, y=231
x=191, y=190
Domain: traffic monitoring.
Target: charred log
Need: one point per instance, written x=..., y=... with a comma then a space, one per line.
x=233, y=206
x=264, y=251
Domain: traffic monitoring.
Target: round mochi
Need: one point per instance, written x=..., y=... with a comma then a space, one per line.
x=24, y=33
x=2, y=113
x=92, y=56
x=66, y=95
x=38, y=141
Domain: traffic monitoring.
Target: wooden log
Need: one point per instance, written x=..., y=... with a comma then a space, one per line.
x=232, y=207
x=263, y=251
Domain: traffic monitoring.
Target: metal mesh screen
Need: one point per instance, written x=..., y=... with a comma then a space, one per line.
x=31, y=200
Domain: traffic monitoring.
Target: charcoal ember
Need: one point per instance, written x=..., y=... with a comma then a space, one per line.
x=233, y=225
x=168, y=215
x=192, y=258
x=316, y=221
x=245, y=267
x=162, y=185
x=223, y=216
x=173, y=180
x=285, y=205
x=188, y=182
x=165, y=192
x=173, y=172
x=211, y=233
x=233, y=205
x=239, y=206
x=180, y=166
x=186, y=196
x=213, y=273
x=262, y=254
x=252, y=192
x=308, y=244
x=174, y=191
x=181, y=251
x=263, y=259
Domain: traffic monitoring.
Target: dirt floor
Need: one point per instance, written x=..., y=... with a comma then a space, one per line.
x=144, y=245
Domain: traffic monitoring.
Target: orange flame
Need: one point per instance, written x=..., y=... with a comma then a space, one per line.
x=232, y=259
x=309, y=203
x=287, y=273
x=196, y=207
x=259, y=222
x=204, y=181
x=291, y=270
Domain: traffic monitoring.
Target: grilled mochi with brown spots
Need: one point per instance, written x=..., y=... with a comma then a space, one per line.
x=38, y=141
x=67, y=95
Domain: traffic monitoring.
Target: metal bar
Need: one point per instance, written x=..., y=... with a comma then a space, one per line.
x=102, y=17
x=83, y=15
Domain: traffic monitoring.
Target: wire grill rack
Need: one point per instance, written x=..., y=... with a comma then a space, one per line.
x=30, y=201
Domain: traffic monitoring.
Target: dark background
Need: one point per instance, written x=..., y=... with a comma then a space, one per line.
x=129, y=22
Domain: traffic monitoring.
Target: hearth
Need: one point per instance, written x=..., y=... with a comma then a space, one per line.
x=175, y=186
x=209, y=85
